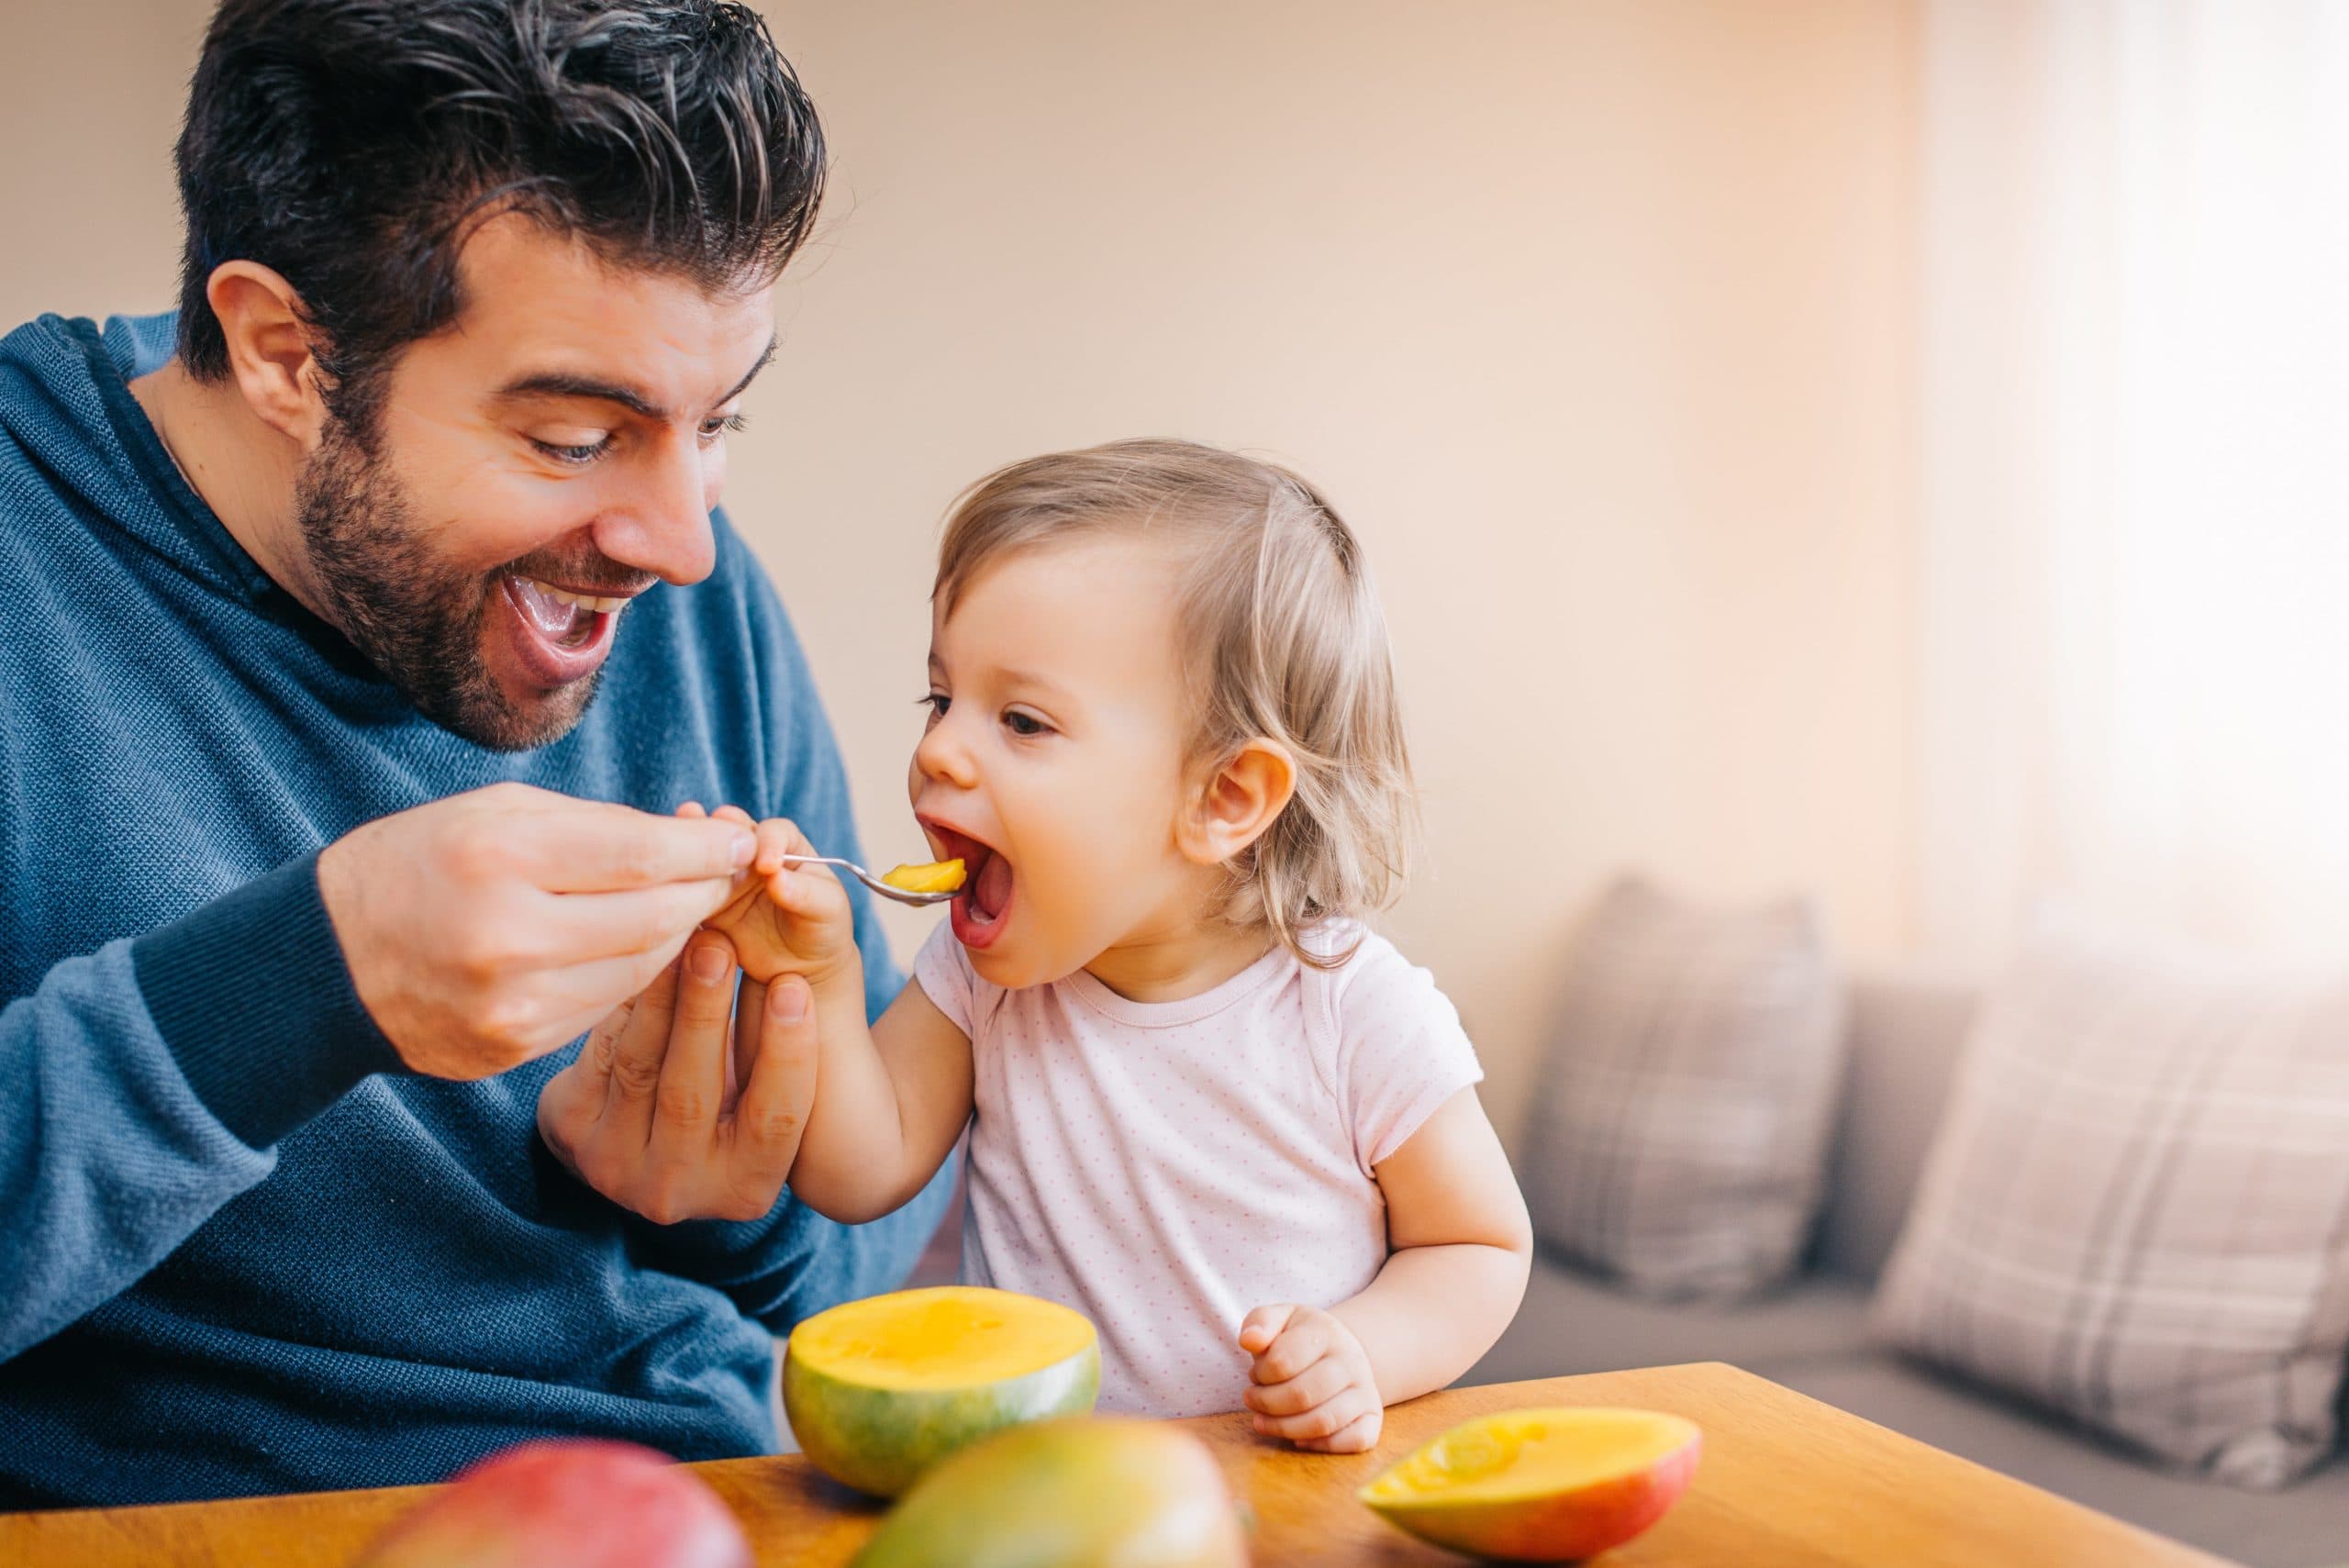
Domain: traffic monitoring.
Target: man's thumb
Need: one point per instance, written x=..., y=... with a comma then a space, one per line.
x=787, y=1000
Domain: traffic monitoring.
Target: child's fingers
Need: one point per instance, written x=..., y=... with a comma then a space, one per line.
x=1315, y=1385
x=1358, y=1436
x=806, y=893
x=1305, y=1340
x=1262, y=1325
x=691, y=809
x=778, y=837
x=1325, y=1420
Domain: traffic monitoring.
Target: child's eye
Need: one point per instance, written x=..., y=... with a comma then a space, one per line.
x=938, y=703
x=1025, y=725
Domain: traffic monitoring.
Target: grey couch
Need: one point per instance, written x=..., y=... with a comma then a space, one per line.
x=1812, y=1335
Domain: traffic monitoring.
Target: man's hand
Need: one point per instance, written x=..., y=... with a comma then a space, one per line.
x=1311, y=1380
x=650, y=1115
x=490, y=927
x=787, y=920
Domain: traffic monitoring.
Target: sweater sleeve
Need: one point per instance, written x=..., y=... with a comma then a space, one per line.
x=795, y=1261
x=147, y=1083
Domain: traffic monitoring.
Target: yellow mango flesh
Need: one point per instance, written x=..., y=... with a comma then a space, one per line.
x=937, y=877
x=1542, y=1484
x=952, y=1337
x=877, y=1391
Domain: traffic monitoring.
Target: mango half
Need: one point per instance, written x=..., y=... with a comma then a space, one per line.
x=1541, y=1485
x=877, y=1391
x=937, y=877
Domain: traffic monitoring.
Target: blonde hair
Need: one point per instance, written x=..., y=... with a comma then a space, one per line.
x=1286, y=643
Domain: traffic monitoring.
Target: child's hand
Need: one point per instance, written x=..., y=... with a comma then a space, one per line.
x=786, y=920
x=1313, y=1383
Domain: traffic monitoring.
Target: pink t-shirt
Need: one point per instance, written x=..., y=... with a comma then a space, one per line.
x=1165, y=1167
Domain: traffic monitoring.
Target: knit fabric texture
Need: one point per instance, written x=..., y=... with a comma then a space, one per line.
x=243, y=1252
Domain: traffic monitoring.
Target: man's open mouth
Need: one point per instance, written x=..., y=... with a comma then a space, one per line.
x=979, y=911
x=560, y=635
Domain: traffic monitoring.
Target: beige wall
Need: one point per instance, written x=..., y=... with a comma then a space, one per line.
x=1594, y=318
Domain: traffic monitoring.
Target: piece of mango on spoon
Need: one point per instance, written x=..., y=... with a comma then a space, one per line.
x=936, y=876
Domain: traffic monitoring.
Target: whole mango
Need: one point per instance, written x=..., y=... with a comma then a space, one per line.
x=583, y=1503
x=1081, y=1492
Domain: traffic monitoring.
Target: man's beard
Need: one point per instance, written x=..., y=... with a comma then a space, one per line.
x=415, y=618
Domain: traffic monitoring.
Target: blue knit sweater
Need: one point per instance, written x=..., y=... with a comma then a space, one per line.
x=241, y=1251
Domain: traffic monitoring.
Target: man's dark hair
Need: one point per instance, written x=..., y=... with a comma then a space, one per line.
x=349, y=145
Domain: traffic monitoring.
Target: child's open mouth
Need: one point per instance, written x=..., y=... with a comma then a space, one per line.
x=980, y=909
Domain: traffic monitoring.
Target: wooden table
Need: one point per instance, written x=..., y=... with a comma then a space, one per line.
x=1785, y=1480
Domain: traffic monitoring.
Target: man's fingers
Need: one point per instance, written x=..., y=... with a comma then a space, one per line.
x=749, y=1008
x=584, y=925
x=643, y=1047
x=693, y=1069
x=773, y=1111
x=597, y=847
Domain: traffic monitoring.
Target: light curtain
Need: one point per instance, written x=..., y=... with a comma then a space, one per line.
x=2134, y=454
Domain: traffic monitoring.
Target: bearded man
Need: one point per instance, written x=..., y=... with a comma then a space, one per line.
x=370, y=622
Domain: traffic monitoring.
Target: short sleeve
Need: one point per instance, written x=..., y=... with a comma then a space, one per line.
x=943, y=972
x=1401, y=1052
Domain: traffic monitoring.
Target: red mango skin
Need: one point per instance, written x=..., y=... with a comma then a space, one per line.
x=580, y=1503
x=1566, y=1525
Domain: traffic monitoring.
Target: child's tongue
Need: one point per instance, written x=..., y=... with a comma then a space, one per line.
x=992, y=891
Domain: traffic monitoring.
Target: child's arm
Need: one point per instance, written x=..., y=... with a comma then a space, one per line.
x=890, y=1099
x=1461, y=1247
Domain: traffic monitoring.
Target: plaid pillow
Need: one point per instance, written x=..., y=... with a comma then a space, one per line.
x=1679, y=1142
x=2137, y=1210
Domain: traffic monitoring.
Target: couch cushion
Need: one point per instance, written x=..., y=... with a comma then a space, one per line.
x=2137, y=1210
x=1907, y=1030
x=1679, y=1139
x=2303, y=1527
x=1573, y=1323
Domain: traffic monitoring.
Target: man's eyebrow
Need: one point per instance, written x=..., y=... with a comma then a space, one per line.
x=766, y=358
x=555, y=383
x=559, y=383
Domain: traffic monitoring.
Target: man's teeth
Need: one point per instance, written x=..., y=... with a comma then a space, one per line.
x=601, y=606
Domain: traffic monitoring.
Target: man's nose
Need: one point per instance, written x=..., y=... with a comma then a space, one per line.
x=660, y=523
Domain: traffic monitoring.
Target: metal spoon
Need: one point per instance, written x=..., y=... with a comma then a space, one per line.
x=871, y=881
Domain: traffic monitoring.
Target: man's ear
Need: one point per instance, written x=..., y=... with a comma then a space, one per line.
x=269, y=349
x=1236, y=802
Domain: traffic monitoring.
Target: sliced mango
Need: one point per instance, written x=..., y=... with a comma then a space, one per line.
x=879, y=1390
x=936, y=876
x=1541, y=1485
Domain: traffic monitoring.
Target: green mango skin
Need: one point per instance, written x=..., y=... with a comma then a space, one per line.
x=880, y=1440
x=1082, y=1493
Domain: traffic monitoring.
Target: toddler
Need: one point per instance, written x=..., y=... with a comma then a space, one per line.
x=1207, y=1108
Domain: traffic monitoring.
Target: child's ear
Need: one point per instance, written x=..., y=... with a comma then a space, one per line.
x=1237, y=802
